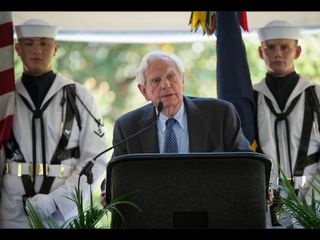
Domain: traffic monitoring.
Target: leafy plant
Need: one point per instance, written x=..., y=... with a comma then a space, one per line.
x=302, y=212
x=86, y=218
x=39, y=220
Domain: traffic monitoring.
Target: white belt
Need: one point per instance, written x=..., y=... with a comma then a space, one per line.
x=53, y=170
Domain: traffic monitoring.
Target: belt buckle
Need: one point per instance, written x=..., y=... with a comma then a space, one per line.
x=8, y=168
x=19, y=169
x=61, y=174
x=39, y=169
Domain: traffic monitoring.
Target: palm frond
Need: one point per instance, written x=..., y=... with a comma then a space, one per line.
x=39, y=220
x=307, y=215
x=86, y=218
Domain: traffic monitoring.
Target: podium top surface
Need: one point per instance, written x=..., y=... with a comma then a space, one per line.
x=205, y=156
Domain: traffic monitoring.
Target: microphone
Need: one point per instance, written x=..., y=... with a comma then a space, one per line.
x=86, y=170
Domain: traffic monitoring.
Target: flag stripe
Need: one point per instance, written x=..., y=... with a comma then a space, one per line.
x=6, y=54
x=6, y=34
x=7, y=76
x=5, y=17
x=7, y=100
x=4, y=130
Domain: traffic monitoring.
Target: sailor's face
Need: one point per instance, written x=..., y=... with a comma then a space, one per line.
x=279, y=55
x=36, y=54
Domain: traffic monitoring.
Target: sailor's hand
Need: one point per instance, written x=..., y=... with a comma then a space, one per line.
x=103, y=200
x=270, y=195
x=43, y=203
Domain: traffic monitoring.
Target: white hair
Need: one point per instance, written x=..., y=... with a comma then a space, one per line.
x=152, y=56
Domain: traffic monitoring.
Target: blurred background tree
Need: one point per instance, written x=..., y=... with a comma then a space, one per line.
x=108, y=70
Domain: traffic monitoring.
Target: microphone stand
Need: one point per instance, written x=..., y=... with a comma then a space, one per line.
x=86, y=170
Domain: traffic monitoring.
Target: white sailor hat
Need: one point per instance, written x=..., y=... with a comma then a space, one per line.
x=36, y=28
x=278, y=29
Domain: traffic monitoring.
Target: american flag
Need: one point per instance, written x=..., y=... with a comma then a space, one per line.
x=7, y=84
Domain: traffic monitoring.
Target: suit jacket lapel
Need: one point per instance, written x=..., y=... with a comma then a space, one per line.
x=197, y=126
x=197, y=135
x=149, y=138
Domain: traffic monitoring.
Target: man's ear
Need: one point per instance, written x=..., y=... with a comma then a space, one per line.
x=17, y=48
x=298, y=51
x=55, y=49
x=143, y=91
x=183, y=82
x=260, y=52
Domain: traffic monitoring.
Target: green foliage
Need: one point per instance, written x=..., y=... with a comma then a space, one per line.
x=39, y=220
x=304, y=213
x=108, y=69
x=86, y=219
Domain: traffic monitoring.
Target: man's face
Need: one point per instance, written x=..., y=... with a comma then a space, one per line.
x=36, y=54
x=279, y=55
x=163, y=83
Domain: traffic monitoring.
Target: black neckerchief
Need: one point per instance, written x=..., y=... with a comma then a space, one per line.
x=38, y=86
x=281, y=87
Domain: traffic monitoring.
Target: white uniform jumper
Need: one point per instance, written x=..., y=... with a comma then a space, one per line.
x=268, y=132
x=12, y=213
x=266, y=120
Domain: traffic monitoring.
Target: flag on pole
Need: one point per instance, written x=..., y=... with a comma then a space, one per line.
x=208, y=21
x=233, y=75
x=7, y=84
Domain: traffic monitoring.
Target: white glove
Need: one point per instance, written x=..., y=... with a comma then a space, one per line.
x=43, y=203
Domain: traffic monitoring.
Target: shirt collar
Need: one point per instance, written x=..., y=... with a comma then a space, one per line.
x=178, y=116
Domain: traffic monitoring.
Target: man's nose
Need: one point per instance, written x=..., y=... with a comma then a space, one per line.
x=277, y=51
x=165, y=83
x=36, y=49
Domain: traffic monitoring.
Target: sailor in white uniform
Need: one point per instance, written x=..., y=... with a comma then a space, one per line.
x=57, y=130
x=287, y=110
